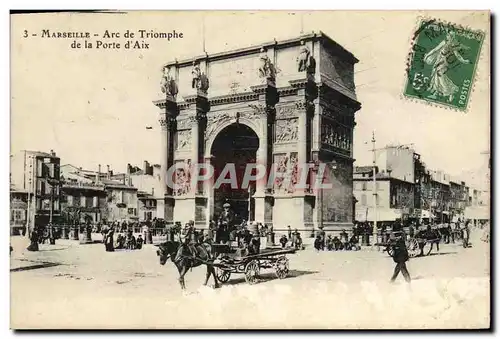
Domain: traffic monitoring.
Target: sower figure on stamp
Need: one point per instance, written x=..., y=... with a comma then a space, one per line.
x=439, y=58
x=400, y=256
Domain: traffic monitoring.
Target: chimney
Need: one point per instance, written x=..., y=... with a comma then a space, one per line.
x=145, y=167
x=152, y=191
x=108, y=173
x=98, y=175
x=129, y=168
x=52, y=153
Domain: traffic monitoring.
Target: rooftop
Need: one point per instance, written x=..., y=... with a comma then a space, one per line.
x=274, y=43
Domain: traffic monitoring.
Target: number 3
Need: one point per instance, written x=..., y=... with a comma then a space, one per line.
x=25, y=33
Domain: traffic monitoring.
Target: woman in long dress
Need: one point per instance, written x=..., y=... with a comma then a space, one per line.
x=439, y=58
x=108, y=240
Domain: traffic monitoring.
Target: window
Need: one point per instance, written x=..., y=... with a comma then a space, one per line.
x=48, y=189
x=83, y=202
x=364, y=186
x=39, y=171
x=46, y=204
x=363, y=199
x=95, y=202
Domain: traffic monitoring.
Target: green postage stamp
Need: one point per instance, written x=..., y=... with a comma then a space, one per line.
x=442, y=63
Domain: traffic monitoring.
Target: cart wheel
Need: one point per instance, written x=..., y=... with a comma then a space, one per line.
x=252, y=272
x=281, y=267
x=412, y=247
x=223, y=275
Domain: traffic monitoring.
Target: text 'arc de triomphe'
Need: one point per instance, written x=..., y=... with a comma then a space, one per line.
x=281, y=103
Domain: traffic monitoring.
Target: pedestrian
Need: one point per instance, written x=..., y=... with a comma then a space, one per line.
x=344, y=237
x=108, y=240
x=139, y=242
x=289, y=232
x=400, y=257
x=322, y=236
x=283, y=241
x=317, y=243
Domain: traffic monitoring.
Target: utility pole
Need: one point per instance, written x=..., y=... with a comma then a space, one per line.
x=374, y=189
x=28, y=211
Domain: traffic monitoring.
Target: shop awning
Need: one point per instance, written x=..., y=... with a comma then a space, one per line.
x=382, y=215
x=477, y=212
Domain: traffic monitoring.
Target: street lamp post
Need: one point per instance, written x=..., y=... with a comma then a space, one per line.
x=374, y=189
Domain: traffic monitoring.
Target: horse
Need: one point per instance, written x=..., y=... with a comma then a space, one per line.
x=203, y=256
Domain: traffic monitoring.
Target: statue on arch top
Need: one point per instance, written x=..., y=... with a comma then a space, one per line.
x=167, y=83
x=199, y=79
x=305, y=60
x=266, y=68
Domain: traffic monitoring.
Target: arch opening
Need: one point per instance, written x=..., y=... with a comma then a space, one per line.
x=235, y=146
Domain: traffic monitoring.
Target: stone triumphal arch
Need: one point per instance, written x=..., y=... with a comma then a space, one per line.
x=282, y=105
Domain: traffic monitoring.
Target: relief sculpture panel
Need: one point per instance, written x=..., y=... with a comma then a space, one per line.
x=213, y=120
x=182, y=177
x=286, y=111
x=183, y=140
x=336, y=135
x=286, y=130
x=287, y=172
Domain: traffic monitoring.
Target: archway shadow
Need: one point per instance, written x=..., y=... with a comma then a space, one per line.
x=440, y=253
x=268, y=276
x=34, y=267
x=52, y=249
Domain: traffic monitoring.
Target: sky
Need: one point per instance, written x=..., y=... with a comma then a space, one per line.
x=92, y=106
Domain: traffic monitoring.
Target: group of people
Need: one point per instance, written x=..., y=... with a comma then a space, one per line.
x=129, y=242
x=294, y=238
x=336, y=243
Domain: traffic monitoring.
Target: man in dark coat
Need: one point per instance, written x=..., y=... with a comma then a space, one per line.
x=400, y=257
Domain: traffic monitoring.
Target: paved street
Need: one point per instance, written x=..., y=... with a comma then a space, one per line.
x=72, y=285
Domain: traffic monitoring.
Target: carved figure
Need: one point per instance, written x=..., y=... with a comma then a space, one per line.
x=294, y=175
x=183, y=139
x=282, y=161
x=183, y=179
x=167, y=83
x=266, y=68
x=199, y=79
x=286, y=130
x=305, y=60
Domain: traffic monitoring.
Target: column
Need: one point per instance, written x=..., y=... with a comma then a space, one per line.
x=165, y=146
x=195, y=144
x=262, y=153
x=302, y=137
x=166, y=121
x=209, y=193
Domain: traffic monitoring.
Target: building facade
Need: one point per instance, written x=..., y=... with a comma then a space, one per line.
x=18, y=210
x=394, y=197
x=98, y=196
x=83, y=195
x=150, y=194
x=38, y=174
x=290, y=104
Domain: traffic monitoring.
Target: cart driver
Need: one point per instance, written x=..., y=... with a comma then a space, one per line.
x=188, y=242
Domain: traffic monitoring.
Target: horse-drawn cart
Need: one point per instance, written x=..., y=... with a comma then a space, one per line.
x=415, y=246
x=229, y=262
